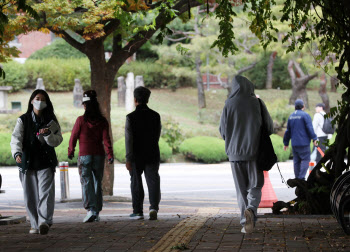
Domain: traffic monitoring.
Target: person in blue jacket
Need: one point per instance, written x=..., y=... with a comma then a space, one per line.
x=300, y=130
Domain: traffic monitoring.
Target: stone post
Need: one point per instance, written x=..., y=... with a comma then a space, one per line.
x=77, y=94
x=40, y=84
x=129, y=94
x=121, y=91
x=139, y=81
x=3, y=97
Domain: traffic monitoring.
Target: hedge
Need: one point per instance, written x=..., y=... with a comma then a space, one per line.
x=6, y=158
x=278, y=145
x=204, y=149
x=16, y=76
x=119, y=150
x=58, y=49
x=58, y=74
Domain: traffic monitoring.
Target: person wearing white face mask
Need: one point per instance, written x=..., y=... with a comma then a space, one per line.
x=36, y=134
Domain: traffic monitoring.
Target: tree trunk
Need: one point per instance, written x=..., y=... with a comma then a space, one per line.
x=323, y=93
x=334, y=82
x=201, y=94
x=102, y=81
x=299, y=81
x=269, y=70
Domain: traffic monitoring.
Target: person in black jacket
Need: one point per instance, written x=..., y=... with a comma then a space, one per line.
x=142, y=132
x=36, y=134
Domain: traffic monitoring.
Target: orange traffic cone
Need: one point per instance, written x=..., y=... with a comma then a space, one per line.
x=311, y=166
x=268, y=196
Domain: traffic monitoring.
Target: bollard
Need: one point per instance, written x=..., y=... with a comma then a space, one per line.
x=64, y=180
x=312, y=165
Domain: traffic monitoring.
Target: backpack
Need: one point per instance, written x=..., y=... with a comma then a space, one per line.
x=327, y=126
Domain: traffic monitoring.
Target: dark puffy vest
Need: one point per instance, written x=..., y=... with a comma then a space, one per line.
x=35, y=156
x=145, y=125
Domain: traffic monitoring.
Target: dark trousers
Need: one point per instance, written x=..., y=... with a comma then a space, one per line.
x=301, y=159
x=322, y=141
x=153, y=184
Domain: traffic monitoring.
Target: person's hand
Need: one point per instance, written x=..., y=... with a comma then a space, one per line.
x=44, y=131
x=19, y=159
x=70, y=157
x=315, y=143
x=128, y=166
x=110, y=161
x=285, y=148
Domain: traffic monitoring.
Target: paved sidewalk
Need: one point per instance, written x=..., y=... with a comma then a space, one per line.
x=219, y=232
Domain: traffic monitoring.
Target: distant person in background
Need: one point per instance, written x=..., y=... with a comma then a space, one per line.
x=317, y=124
x=36, y=134
x=300, y=130
x=92, y=130
x=240, y=127
x=142, y=132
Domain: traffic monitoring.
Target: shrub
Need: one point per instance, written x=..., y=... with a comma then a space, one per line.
x=5, y=150
x=119, y=150
x=16, y=76
x=204, y=149
x=58, y=49
x=280, y=111
x=156, y=75
x=278, y=145
x=58, y=74
x=280, y=77
x=172, y=134
x=62, y=150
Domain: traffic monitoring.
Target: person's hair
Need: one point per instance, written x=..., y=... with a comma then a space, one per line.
x=92, y=111
x=48, y=113
x=299, y=107
x=142, y=94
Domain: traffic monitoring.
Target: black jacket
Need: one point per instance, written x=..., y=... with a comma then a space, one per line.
x=142, y=132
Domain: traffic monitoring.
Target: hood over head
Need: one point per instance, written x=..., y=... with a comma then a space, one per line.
x=242, y=86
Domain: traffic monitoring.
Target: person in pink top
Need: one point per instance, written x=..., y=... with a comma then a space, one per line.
x=92, y=130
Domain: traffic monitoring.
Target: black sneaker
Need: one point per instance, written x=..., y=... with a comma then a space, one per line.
x=153, y=214
x=136, y=216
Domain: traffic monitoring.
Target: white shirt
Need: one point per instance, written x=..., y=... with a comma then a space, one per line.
x=317, y=124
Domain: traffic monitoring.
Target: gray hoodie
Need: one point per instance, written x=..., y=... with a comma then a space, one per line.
x=240, y=123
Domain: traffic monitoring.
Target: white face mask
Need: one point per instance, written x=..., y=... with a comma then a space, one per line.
x=39, y=105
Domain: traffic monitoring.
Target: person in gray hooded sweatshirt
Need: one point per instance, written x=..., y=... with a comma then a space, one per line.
x=240, y=127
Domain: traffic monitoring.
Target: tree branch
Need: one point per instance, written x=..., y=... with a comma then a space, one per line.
x=70, y=40
x=141, y=37
x=244, y=69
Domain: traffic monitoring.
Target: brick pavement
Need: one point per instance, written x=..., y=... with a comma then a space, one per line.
x=306, y=233
x=219, y=233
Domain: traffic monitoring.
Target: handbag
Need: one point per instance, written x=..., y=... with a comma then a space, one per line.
x=266, y=158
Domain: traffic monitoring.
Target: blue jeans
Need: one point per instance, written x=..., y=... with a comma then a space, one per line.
x=91, y=172
x=301, y=159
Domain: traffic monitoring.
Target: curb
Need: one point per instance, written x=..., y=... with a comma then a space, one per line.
x=8, y=220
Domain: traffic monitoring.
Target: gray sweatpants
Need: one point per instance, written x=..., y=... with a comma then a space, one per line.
x=249, y=182
x=39, y=195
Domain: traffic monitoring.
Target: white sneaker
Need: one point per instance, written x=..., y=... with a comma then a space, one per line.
x=34, y=231
x=243, y=230
x=153, y=214
x=44, y=228
x=249, y=220
x=90, y=217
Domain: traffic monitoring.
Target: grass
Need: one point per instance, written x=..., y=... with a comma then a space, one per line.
x=180, y=106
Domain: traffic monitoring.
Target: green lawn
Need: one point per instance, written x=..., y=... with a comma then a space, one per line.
x=180, y=106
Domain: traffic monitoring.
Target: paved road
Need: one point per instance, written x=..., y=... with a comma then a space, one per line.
x=183, y=186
